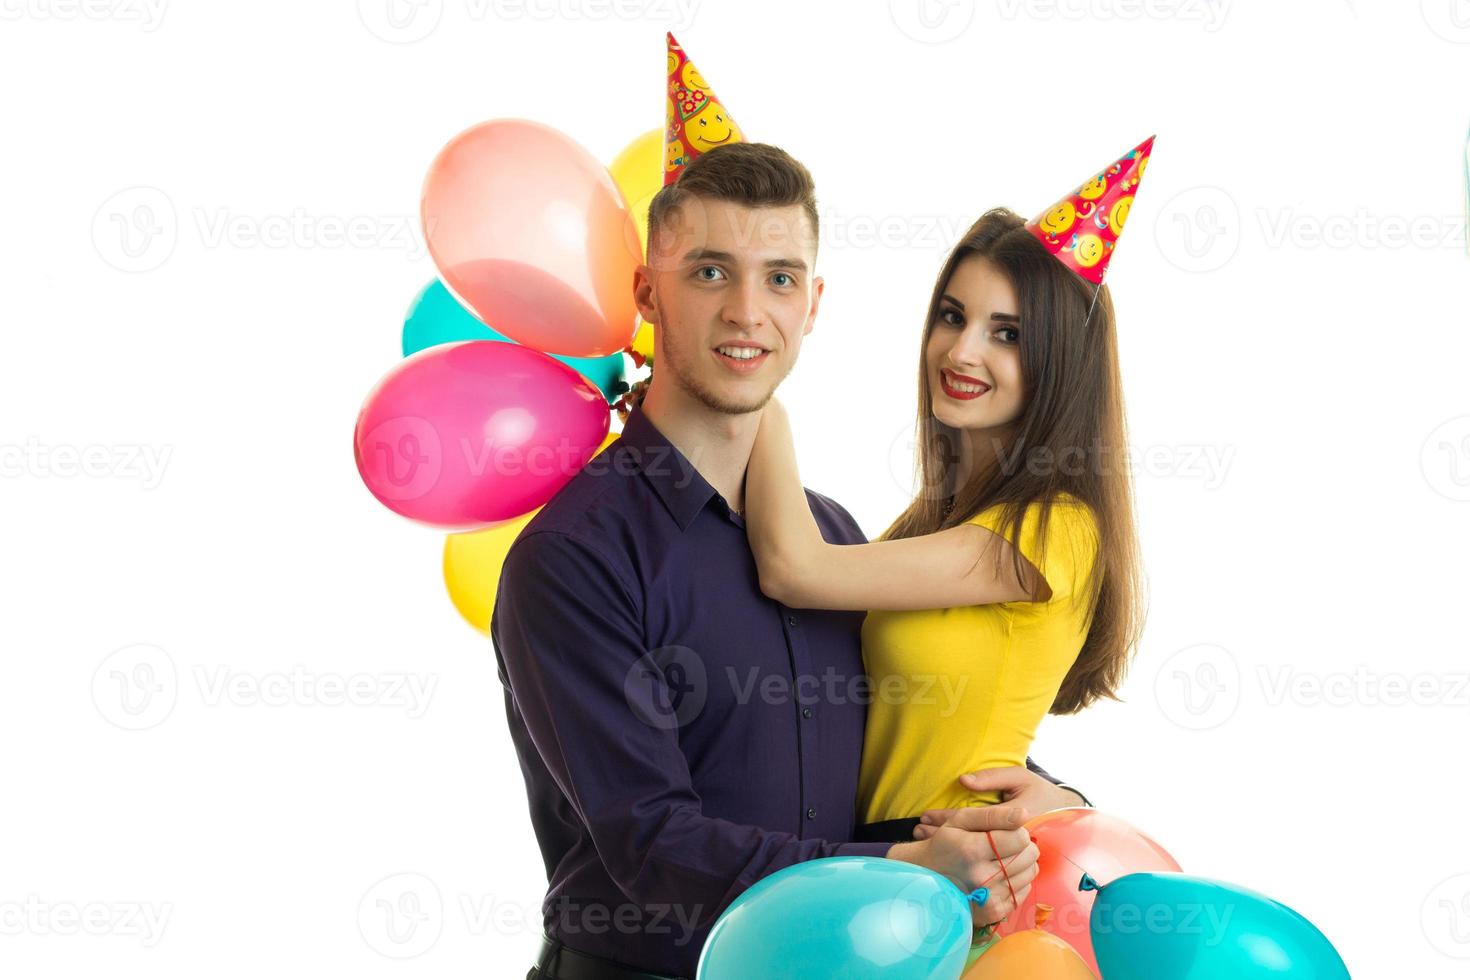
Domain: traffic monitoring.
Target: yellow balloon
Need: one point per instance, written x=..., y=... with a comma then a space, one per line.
x=472, y=562
x=1030, y=953
x=639, y=173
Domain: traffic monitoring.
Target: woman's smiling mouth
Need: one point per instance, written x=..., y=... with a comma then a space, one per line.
x=961, y=386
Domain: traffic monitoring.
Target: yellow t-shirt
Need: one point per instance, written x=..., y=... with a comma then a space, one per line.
x=954, y=690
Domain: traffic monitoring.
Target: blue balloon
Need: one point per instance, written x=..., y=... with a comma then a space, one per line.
x=1169, y=926
x=436, y=317
x=860, y=918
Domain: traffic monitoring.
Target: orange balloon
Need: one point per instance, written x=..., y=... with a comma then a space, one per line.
x=1030, y=953
x=531, y=235
x=1072, y=842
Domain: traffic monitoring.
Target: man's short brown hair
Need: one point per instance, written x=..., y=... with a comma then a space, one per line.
x=750, y=174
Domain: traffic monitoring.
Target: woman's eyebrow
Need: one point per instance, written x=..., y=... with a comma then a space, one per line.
x=1003, y=317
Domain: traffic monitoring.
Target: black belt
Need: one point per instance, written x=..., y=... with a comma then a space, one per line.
x=558, y=962
x=887, y=831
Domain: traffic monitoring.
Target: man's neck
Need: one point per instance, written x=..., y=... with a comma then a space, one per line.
x=717, y=444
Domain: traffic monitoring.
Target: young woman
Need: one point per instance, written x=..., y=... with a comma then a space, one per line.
x=1009, y=587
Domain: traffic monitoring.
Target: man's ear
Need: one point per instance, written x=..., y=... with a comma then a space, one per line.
x=643, y=294
x=811, y=316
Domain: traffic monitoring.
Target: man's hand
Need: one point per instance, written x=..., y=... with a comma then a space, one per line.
x=1017, y=785
x=961, y=851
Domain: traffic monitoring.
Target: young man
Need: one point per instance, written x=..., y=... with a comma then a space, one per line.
x=681, y=735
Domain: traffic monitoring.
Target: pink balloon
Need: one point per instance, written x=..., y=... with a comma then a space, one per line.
x=463, y=436
x=531, y=234
x=1074, y=841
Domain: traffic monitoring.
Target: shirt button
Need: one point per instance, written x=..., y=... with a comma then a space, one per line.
x=811, y=813
x=806, y=712
x=790, y=620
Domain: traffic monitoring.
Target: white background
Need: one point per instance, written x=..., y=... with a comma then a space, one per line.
x=172, y=177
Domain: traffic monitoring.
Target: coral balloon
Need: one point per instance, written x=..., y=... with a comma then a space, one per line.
x=1072, y=842
x=1030, y=953
x=461, y=436
x=531, y=234
x=472, y=563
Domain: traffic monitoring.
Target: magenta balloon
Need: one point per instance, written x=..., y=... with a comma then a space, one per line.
x=463, y=436
x=531, y=234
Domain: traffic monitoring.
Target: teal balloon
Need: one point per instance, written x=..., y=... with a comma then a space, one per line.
x=1169, y=926
x=860, y=918
x=436, y=317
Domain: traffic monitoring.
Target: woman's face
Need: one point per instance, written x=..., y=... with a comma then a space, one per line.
x=973, y=357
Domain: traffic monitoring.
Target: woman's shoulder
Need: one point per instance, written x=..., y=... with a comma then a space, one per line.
x=1069, y=518
x=1062, y=502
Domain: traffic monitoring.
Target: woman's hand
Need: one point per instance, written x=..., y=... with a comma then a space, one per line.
x=1017, y=785
x=964, y=852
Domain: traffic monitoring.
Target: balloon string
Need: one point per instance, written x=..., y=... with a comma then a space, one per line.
x=1003, y=870
x=1072, y=863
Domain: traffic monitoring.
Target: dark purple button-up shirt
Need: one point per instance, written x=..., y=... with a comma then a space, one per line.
x=681, y=735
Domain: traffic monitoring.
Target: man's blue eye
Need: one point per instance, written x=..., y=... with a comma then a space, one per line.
x=783, y=276
x=708, y=268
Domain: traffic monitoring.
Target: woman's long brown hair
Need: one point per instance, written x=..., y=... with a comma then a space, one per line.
x=1070, y=437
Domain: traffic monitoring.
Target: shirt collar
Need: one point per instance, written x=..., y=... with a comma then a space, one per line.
x=678, y=484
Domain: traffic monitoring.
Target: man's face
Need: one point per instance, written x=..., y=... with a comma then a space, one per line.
x=730, y=291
